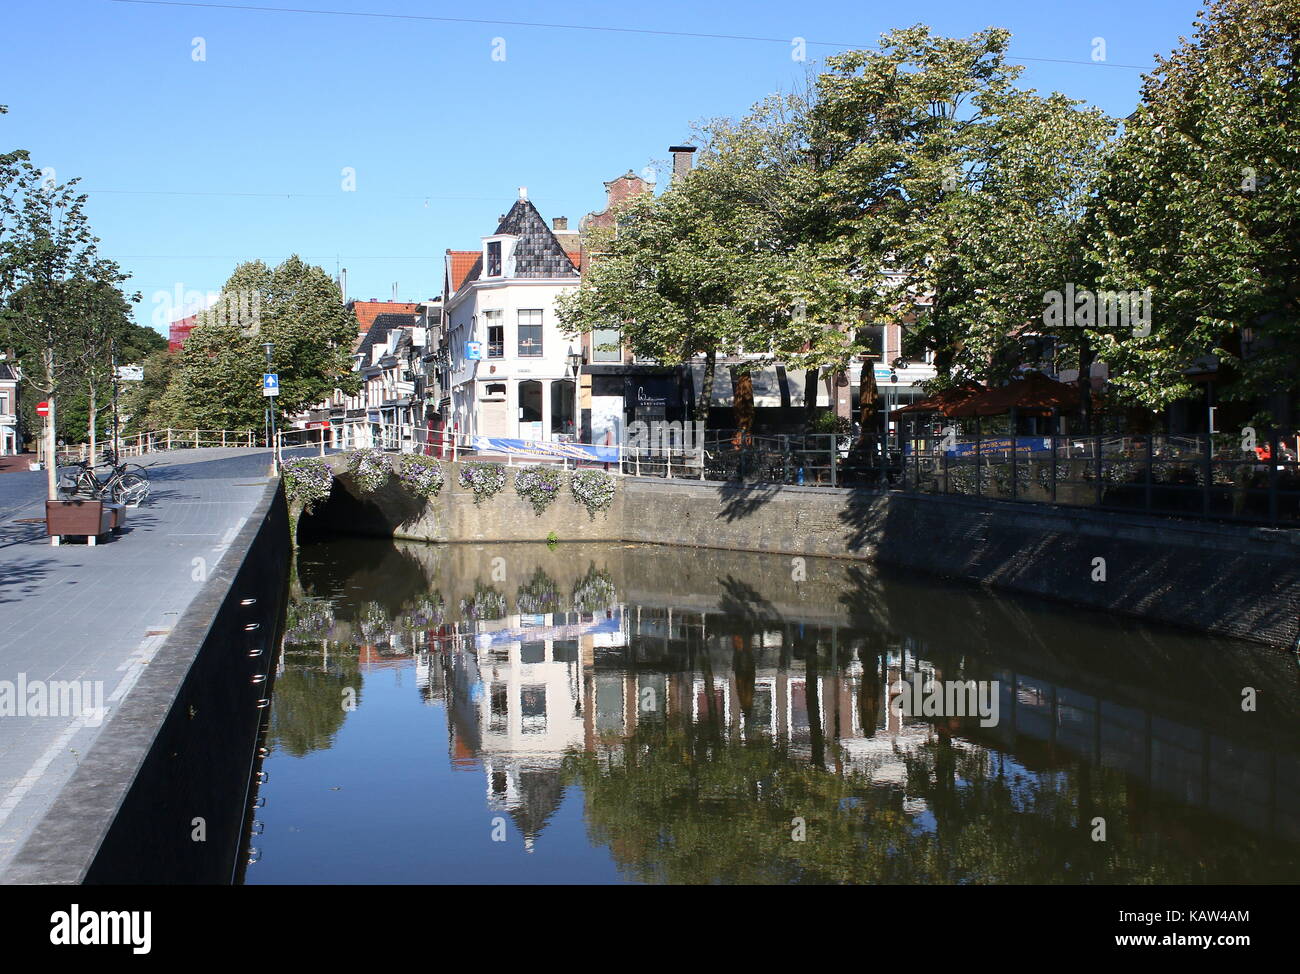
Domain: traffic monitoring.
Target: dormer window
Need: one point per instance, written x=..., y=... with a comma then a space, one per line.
x=494, y=258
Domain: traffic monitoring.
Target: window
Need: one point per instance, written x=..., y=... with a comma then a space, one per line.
x=605, y=345
x=4, y=404
x=494, y=258
x=496, y=334
x=530, y=333
x=871, y=341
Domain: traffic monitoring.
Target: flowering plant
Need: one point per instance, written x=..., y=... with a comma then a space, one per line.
x=538, y=595
x=428, y=612
x=485, y=479
x=370, y=468
x=593, y=489
x=421, y=475
x=594, y=591
x=538, y=485
x=307, y=480
x=487, y=603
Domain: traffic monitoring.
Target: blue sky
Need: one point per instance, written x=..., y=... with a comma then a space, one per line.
x=192, y=165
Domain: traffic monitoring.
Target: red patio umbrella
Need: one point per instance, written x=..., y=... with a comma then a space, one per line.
x=942, y=402
x=1035, y=393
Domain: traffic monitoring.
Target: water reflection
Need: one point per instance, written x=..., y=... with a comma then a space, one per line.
x=648, y=714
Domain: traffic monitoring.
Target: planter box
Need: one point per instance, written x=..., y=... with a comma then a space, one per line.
x=77, y=518
x=119, y=516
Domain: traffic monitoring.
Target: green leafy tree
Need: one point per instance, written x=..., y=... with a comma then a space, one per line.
x=56, y=291
x=1199, y=204
x=967, y=189
x=295, y=306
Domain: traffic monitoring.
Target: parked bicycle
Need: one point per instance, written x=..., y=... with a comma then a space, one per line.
x=125, y=483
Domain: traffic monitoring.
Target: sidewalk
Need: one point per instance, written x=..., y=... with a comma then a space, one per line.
x=76, y=613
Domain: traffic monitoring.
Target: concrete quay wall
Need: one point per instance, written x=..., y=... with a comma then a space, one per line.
x=1232, y=580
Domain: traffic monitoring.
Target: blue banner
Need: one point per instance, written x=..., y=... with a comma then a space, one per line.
x=1023, y=444
x=545, y=449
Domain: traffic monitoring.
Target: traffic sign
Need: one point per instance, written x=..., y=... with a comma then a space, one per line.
x=270, y=384
x=42, y=408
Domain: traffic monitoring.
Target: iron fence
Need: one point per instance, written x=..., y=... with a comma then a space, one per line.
x=1213, y=476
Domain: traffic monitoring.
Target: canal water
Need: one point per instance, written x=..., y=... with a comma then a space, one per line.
x=638, y=713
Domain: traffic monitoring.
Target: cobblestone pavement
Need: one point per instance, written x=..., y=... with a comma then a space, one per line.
x=96, y=615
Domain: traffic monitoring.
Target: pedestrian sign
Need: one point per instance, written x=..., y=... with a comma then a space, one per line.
x=270, y=384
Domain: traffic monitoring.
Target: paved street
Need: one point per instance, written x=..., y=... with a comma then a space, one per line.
x=77, y=613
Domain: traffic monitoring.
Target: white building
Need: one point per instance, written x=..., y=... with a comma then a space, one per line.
x=510, y=370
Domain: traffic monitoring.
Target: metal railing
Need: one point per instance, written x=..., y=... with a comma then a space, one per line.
x=1206, y=475
x=722, y=455
x=157, y=441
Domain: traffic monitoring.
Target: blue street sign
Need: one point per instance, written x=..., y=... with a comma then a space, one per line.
x=270, y=384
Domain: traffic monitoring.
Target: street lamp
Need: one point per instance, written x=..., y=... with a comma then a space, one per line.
x=268, y=347
x=575, y=362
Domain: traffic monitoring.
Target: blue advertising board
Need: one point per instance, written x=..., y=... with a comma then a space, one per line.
x=542, y=449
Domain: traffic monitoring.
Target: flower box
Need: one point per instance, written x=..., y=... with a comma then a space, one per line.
x=78, y=518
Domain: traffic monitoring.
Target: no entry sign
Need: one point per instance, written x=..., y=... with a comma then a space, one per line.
x=42, y=408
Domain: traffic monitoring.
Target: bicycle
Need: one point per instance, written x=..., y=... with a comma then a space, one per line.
x=128, y=484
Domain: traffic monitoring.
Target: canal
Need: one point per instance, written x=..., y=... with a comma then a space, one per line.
x=636, y=713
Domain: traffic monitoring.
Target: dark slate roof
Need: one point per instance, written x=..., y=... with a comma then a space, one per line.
x=6, y=371
x=537, y=253
x=379, y=330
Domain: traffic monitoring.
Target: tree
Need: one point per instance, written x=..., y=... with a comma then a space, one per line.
x=967, y=189
x=298, y=308
x=714, y=265
x=1198, y=203
x=53, y=283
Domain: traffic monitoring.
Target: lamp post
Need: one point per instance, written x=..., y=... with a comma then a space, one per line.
x=575, y=362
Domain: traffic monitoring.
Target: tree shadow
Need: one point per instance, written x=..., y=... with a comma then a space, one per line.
x=741, y=500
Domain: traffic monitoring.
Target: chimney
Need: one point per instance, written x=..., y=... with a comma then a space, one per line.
x=560, y=223
x=343, y=284
x=681, y=159
x=394, y=291
x=523, y=192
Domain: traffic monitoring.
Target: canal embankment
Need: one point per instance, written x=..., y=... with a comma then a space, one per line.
x=1227, y=579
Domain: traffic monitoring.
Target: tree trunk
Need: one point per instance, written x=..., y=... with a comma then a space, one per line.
x=810, y=379
x=744, y=408
x=706, y=390
x=868, y=393
x=51, y=454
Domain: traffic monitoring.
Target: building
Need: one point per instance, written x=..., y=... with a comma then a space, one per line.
x=11, y=440
x=179, y=331
x=510, y=368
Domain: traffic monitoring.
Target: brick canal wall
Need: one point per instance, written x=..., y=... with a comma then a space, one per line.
x=1228, y=579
